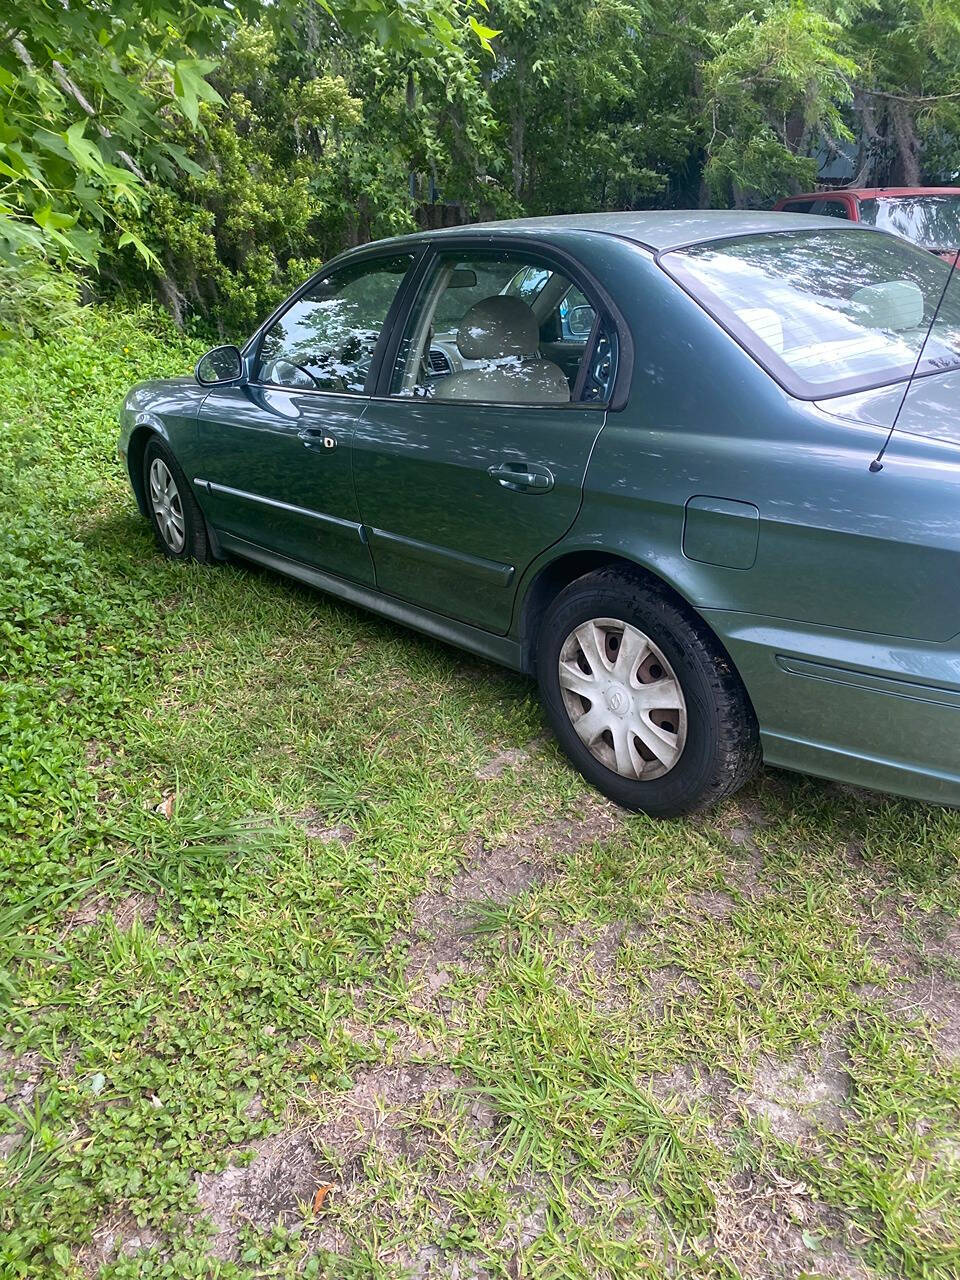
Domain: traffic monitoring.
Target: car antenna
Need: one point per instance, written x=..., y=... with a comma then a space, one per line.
x=877, y=464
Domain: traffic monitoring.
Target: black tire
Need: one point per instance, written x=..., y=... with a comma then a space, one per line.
x=722, y=747
x=196, y=543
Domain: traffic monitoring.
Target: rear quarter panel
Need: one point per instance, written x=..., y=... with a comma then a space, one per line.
x=837, y=546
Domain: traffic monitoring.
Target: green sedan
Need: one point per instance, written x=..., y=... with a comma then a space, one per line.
x=630, y=454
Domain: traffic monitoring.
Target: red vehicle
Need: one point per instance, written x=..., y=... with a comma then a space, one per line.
x=929, y=216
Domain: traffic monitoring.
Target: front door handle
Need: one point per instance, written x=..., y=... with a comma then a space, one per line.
x=523, y=477
x=316, y=438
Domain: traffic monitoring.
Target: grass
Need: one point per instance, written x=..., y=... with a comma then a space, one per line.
x=293, y=898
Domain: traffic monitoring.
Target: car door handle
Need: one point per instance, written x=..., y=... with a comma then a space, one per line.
x=524, y=477
x=316, y=438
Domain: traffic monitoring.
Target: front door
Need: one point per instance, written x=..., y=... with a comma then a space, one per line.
x=275, y=454
x=464, y=477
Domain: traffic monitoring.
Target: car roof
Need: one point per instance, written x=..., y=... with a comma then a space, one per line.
x=657, y=229
x=878, y=193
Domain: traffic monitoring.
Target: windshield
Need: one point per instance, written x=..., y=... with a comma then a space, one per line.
x=933, y=221
x=827, y=312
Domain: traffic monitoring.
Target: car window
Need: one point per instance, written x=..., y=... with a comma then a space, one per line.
x=933, y=221
x=528, y=282
x=576, y=316
x=503, y=328
x=799, y=206
x=325, y=340
x=831, y=209
x=827, y=311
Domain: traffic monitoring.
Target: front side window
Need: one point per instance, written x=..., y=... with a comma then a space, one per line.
x=504, y=328
x=827, y=312
x=933, y=221
x=326, y=339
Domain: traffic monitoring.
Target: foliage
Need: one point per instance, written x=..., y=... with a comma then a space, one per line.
x=35, y=299
x=84, y=88
x=212, y=154
x=93, y=96
x=295, y=165
x=775, y=85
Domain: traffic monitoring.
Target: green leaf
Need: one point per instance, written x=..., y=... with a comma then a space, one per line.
x=49, y=219
x=149, y=257
x=180, y=157
x=483, y=34
x=190, y=88
x=85, y=154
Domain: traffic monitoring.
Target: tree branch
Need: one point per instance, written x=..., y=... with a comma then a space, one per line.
x=908, y=97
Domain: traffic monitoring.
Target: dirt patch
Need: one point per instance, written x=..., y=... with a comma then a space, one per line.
x=713, y=903
x=771, y=1227
x=95, y=907
x=376, y=1111
x=688, y=1084
x=591, y=964
x=118, y=1237
x=284, y=1173
x=19, y=1078
x=665, y=987
x=499, y=763
x=937, y=1001
x=494, y=875
x=380, y=1111
x=914, y=992
x=318, y=827
x=800, y=1096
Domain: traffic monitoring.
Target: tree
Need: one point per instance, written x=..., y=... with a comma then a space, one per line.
x=89, y=91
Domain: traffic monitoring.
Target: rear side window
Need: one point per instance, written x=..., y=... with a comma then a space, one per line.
x=831, y=209
x=505, y=328
x=933, y=221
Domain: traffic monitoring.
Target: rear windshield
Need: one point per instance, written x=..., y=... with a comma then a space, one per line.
x=932, y=221
x=824, y=311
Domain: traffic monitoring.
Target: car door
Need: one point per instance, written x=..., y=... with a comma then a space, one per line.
x=459, y=495
x=275, y=452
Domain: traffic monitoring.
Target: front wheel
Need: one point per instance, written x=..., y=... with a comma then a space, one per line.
x=643, y=698
x=177, y=521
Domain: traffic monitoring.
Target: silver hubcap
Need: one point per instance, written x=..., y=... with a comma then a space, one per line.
x=165, y=501
x=623, y=698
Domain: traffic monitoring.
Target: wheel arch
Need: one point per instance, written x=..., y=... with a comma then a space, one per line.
x=552, y=578
x=140, y=437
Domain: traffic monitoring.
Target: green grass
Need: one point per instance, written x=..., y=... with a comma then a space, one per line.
x=520, y=1033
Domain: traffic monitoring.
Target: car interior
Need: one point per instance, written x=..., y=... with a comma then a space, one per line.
x=496, y=331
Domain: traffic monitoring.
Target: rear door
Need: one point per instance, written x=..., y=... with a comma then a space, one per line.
x=460, y=495
x=275, y=454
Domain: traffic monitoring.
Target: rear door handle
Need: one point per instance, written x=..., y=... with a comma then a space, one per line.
x=316, y=438
x=523, y=477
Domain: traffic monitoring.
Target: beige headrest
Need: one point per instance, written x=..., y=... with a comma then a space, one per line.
x=894, y=304
x=498, y=326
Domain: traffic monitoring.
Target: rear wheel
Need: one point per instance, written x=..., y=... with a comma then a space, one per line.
x=642, y=697
x=177, y=521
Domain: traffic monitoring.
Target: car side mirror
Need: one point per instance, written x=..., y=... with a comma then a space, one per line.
x=580, y=321
x=222, y=364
